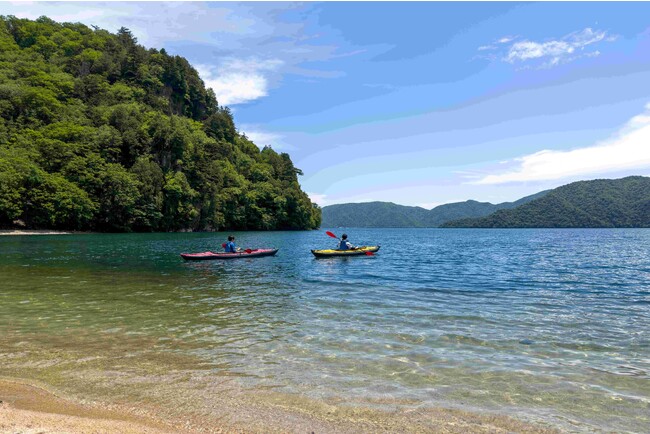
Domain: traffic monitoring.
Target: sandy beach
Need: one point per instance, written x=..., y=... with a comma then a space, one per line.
x=35, y=232
x=31, y=409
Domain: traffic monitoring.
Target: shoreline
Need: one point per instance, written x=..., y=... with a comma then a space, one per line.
x=31, y=408
x=13, y=232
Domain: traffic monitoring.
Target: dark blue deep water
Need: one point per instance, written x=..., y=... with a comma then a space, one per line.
x=550, y=325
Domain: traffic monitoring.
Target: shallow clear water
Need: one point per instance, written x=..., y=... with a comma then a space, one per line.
x=553, y=325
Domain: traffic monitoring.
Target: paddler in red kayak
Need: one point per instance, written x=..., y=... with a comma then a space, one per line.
x=230, y=246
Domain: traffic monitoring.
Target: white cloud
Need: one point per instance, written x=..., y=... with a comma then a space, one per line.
x=429, y=205
x=495, y=45
x=237, y=88
x=630, y=149
x=264, y=138
x=506, y=39
x=532, y=50
x=251, y=64
x=551, y=52
x=238, y=81
x=156, y=23
x=79, y=16
x=73, y=17
x=320, y=199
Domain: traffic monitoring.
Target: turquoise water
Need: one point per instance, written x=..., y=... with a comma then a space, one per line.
x=549, y=325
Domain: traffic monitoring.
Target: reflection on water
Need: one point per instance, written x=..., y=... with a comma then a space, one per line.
x=549, y=323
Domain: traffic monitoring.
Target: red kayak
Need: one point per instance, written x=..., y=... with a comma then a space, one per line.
x=248, y=253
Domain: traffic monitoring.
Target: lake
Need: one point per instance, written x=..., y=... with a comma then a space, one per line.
x=541, y=324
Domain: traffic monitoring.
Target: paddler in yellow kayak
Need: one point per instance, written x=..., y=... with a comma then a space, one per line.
x=345, y=248
x=344, y=244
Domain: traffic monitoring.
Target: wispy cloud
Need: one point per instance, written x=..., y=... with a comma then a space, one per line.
x=550, y=52
x=497, y=44
x=238, y=81
x=320, y=199
x=61, y=17
x=506, y=39
x=264, y=138
x=154, y=24
x=430, y=205
x=627, y=150
x=554, y=50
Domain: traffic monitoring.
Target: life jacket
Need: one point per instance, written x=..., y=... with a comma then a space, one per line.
x=230, y=247
x=343, y=245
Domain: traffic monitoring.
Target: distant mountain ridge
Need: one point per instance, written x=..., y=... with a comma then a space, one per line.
x=600, y=203
x=390, y=215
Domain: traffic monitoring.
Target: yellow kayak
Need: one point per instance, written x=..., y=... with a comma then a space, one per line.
x=361, y=250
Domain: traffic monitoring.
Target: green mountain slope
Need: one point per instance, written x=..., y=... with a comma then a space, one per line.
x=472, y=208
x=390, y=215
x=373, y=215
x=602, y=203
x=99, y=133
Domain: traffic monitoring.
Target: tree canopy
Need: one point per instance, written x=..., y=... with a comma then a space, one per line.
x=100, y=133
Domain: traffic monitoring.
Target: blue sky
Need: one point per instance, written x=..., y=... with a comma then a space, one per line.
x=418, y=103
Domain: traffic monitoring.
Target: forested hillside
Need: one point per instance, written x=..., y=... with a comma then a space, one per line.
x=390, y=215
x=602, y=203
x=99, y=133
x=373, y=215
x=471, y=208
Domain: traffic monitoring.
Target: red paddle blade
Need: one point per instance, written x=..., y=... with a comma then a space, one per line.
x=223, y=245
x=248, y=250
x=331, y=235
x=370, y=254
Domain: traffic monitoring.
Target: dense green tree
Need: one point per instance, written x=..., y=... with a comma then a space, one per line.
x=179, y=209
x=13, y=174
x=119, y=194
x=54, y=202
x=39, y=198
x=149, y=206
x=221, y=126
x=97, y=132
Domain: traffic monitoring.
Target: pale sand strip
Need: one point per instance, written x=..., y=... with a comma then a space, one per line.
x=28, y=409
x=35, y=232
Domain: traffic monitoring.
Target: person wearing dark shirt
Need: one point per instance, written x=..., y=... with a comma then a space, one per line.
x=344, y=244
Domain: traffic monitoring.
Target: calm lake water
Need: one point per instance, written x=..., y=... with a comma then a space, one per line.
x=550, y=325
